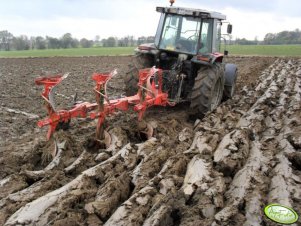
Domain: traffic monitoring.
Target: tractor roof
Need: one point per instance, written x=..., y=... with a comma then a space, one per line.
x=191, y=12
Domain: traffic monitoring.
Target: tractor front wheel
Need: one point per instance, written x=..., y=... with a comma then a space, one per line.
x=208, y=89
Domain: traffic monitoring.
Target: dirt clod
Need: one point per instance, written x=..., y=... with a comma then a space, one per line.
x=168, y=170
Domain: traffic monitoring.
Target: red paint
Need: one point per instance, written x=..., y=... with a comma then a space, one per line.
x=149, y=94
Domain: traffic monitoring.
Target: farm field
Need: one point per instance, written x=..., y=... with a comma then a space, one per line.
x=101, y=51
x=219, y=170
x=263, y=50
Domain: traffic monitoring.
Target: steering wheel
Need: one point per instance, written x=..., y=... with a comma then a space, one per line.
x=190, y=37
x=180, y=46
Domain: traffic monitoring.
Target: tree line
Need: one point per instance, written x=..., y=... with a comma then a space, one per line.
x=281, y=38
x=10, y=42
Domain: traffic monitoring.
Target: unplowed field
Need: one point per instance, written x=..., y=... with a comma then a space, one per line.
x=219, y=170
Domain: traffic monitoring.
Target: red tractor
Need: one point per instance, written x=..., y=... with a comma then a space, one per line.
x=184, y=64
x=186, y=48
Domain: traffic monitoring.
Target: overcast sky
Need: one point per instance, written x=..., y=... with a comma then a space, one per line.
x=88, y=18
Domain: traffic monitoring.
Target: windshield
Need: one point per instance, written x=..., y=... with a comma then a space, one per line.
x=180, y=34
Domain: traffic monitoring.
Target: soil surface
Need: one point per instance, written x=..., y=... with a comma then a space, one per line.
x=219, y=170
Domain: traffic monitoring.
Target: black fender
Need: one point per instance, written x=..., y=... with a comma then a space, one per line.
x=230, y=74
x=230, y=80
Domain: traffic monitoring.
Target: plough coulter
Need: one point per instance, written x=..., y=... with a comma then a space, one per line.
x=149, y=93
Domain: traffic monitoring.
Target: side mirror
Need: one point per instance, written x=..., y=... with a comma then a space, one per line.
x=229, y=29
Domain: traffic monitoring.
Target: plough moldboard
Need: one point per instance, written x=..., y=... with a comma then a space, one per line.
x=149, y=93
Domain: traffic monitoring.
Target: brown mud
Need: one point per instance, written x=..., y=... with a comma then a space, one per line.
x=219, y=170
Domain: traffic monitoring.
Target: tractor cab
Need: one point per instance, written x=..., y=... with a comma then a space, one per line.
x=187, y=50
x=188, y=31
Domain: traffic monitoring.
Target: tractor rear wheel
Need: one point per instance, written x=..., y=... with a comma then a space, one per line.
x=131, y=77
x=207, y=91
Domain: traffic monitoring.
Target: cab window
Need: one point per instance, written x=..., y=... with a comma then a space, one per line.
x=206, y=37
x=180, y=34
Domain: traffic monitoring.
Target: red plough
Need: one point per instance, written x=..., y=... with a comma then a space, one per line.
x=149, y=93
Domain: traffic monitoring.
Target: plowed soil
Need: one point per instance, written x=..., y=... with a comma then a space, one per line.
x=219, y=170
